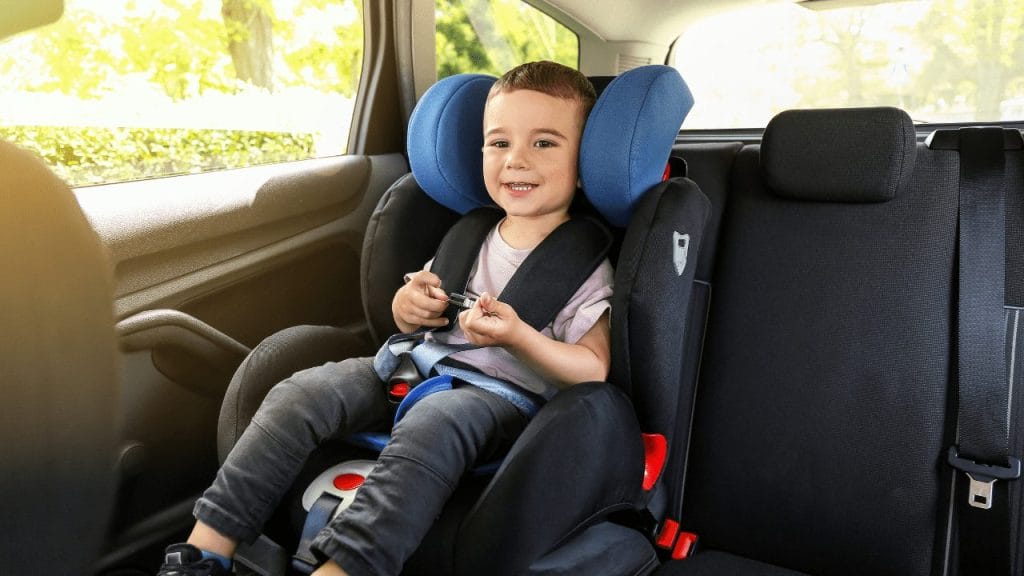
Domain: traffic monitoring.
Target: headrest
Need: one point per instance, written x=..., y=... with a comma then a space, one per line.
x=629, y=136
x=839, y=155
x=446, y=139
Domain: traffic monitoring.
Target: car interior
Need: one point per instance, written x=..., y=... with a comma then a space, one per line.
x=814, y=326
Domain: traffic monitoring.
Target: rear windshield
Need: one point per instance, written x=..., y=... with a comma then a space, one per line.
x=940, y=60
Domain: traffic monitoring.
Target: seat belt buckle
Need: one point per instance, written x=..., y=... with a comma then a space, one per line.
x=983, y=477
x=403, y=380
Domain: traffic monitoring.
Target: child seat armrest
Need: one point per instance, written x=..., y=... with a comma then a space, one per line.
x=274, y=359
x=580, y=458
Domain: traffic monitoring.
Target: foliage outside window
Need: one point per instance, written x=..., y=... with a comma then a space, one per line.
x=940, y=60
x=492, y=36
x=129, y=89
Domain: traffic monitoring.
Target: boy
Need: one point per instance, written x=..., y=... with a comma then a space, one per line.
x=533, y=123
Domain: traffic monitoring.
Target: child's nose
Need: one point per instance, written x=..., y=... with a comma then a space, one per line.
x=516, y=159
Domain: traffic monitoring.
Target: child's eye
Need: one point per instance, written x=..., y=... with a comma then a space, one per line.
x=544, y=144
x=499, y=143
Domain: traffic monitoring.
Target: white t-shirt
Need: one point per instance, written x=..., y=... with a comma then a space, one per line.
x=496, y=264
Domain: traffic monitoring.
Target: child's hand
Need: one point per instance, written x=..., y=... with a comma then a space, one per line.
x=490, y=322
x=420, y=302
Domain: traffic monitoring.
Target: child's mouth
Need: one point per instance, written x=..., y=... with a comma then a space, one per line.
x=520, y=188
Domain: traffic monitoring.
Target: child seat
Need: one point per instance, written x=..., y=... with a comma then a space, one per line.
x=581, y=457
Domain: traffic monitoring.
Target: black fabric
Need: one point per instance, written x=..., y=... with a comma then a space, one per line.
x=458, y=253
x=839, y=155
x=402, y=234
x=58, y=371
x=710, y=166
x=544, y=282
x=602, y=549
x=555, y=270
x=1015, y=227
x=820, y=417
x=1015, y=355
x=653, y=297
x=715, y=563
x=1015, y=341
x=580, y=459
x=982, y=333
x=658, y=320
x=980, y=329
x=275, y=358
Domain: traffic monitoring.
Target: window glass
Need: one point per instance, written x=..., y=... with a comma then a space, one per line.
x=128, y=89
x=940, y=60
x=492, y=36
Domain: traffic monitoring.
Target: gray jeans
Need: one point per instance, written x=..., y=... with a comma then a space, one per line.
x=440, y=438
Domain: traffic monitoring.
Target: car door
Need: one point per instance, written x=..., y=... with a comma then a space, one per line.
x=225, y=217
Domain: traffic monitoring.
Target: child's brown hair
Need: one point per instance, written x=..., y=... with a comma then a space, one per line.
x=549, y=78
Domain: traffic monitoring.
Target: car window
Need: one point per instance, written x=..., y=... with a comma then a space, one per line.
x=129, y=89
x=492, y=36
x=940, y=60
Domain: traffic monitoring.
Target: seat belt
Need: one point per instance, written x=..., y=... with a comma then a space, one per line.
x=982, y=448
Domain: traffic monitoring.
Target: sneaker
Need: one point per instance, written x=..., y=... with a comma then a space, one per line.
x=187, y=560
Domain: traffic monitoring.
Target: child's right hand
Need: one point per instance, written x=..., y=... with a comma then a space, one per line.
x=420, y=302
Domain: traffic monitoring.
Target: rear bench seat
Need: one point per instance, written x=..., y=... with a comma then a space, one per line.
x=824, y=407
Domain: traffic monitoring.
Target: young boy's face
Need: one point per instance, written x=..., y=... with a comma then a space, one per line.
x=531, y=148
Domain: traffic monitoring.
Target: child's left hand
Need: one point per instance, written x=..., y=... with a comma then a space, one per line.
x=490, y=322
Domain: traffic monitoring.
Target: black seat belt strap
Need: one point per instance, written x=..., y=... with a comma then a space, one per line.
x=456, y=255
x=982, y=449
x=545, y=281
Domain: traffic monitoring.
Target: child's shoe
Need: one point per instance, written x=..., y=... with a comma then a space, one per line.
x=187, y=560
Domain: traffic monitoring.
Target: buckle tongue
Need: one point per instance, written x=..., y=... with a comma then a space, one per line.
x=983, y=477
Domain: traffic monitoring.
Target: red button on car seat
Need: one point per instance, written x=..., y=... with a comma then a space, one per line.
x=348, y=481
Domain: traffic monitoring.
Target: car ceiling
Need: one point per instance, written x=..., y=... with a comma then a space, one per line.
x=632, y=21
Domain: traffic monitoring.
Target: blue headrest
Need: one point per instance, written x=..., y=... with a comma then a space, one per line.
x=446, y=139
x=629, y=137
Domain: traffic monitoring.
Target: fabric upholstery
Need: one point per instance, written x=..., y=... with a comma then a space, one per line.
x=839, y=155
x=402, y=235
x=602, y=549
x=446, y=140
x=58, y=372
x=629, y=136
x=820, y=422
x=714, y=563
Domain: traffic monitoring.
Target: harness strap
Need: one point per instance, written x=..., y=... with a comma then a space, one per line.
x=457, y=254
x=555, y=270
x=540, y=288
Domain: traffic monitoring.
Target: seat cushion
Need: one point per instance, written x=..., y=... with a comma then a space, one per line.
x=605, y=548
x=714, y=563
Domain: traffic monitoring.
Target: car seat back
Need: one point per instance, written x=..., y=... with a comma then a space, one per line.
x=822, y=413
x=58, y=374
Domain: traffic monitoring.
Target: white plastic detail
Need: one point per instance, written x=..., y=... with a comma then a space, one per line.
x=325, y=483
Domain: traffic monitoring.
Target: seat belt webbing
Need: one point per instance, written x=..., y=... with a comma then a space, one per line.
x=982, y=449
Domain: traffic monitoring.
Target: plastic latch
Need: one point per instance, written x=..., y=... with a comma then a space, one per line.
x=398, y=390
x=685, y=547
x=667, y=534
x=983, y=477
x=655, y=451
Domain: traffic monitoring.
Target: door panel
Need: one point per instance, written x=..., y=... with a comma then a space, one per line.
x=206, y=266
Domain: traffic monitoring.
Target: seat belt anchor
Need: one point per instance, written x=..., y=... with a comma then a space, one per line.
x=982, y=477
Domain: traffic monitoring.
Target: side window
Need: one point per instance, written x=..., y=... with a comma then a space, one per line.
x=940, y=60
x=492, y=36
x=129, y=89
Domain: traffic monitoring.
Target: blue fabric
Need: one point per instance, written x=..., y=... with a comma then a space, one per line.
x=425, y=388
x=629, y=136
x=223, y=561
x=446, y=140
